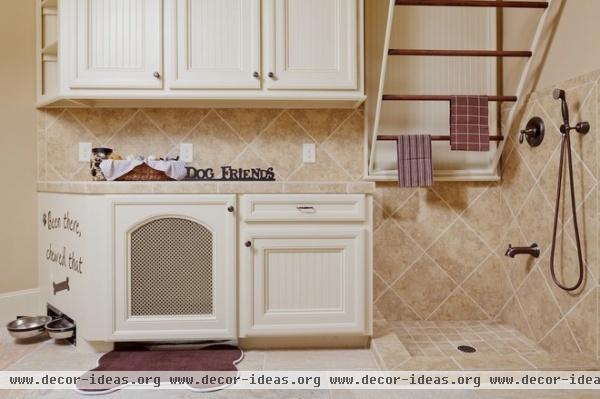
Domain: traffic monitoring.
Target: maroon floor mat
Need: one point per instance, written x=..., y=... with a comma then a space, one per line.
x=126, y=366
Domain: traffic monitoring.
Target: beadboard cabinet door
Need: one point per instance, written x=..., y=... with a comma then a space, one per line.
x=118, y=44
x=303, y=281
x=217, y=44
x=312, y=44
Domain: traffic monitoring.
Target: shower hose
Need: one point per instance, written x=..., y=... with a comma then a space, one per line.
x=566, y=148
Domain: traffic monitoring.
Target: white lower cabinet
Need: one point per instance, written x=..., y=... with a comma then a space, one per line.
x=305, y=265
x=174, y=267
x=303, y=281
x=140, y=267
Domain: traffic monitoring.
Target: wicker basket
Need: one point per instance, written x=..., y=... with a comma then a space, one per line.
x=144, y=172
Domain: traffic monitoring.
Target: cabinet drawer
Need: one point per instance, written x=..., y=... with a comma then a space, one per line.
x=291, y=208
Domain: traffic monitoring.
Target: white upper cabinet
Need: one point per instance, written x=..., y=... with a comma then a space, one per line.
x=118, y=44
x=217, y=44
x=206, y=53
x=312, y=44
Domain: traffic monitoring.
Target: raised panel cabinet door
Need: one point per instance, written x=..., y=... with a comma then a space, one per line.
x=312, y=44
x=217, y=44
x=174, y=267
x=303, y=282
x=118, y=44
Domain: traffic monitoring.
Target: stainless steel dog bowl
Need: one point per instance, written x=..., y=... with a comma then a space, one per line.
x=27, y=327
x=60, y=328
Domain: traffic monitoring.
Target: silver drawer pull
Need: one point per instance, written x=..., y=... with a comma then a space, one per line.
x=306, y=209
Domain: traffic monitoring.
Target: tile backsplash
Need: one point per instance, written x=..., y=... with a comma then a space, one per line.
x=232, y=137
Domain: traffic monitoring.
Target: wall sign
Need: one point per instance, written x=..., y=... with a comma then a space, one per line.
x=63, y=237
x=228, y=173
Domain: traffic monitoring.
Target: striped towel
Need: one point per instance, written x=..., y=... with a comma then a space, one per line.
x=469, y=124
x=415, y=168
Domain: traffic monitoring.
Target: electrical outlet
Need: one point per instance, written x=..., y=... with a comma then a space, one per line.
x=85, y=152
x=186, y=152
x=309, y=153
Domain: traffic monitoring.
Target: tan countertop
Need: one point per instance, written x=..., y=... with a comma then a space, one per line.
x=207, y=187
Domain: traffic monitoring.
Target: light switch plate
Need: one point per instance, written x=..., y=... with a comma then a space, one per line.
x=85, y=152
x=186, y=152
x=309, y=153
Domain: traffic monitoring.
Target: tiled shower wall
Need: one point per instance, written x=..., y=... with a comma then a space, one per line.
x=439, y=253
x=560, y=321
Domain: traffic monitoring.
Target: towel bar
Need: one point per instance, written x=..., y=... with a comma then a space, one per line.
x=433, y=138
x=395, y=97
x=474, y=3
x=460, y=53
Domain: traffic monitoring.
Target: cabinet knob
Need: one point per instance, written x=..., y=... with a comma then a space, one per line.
x=271, y=75
x=156, y=75
x=256, y=75
x=248, y=244
x=230, y=209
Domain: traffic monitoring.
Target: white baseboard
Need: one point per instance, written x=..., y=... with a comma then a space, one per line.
x=20, y=303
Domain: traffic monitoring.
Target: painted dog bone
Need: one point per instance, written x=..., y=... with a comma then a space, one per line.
x=62, y=286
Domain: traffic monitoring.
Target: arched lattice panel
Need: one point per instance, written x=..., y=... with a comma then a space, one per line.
x=171, y=268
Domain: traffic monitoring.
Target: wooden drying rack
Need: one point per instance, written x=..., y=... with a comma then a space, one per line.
x=458, y=53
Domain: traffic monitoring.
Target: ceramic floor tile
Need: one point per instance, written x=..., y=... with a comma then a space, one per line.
x=357, y=359
x=57, y=356
x=562, y=361
x=12, y=350
x=429, y=363
x=252, y=361
x=493, y=362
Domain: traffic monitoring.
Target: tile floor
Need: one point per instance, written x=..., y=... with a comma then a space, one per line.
x=46, y=354
x=428, y=345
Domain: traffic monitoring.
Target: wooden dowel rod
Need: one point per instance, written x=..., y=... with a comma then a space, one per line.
x=434, y=138
x=394, y=97
x=460, y=53
x=473, y=3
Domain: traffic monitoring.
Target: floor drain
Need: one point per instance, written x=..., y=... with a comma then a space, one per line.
x=467, y=349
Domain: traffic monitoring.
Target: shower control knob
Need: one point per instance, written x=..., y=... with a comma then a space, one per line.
x=230, y=209
x=248, y=244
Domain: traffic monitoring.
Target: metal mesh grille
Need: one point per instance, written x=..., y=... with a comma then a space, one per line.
x=171, y=269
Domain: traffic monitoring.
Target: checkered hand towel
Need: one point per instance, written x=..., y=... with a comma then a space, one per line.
x=469, y=123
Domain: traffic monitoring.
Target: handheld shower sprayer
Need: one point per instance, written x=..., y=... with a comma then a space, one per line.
x=582, y=127
x=565, y=129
